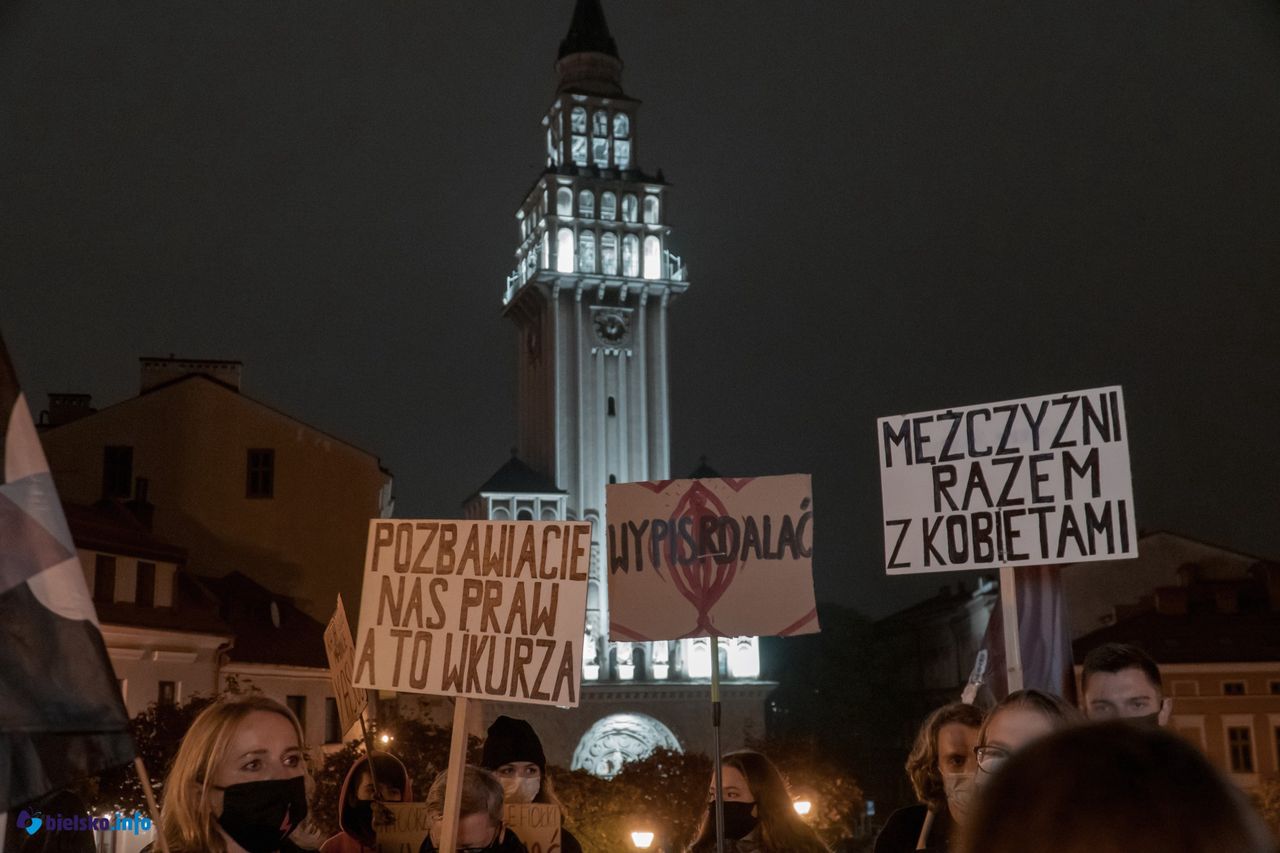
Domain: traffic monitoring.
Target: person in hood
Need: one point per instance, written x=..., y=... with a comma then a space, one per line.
x=480, y=828
x=758, y=813
x=239, y=781
x=513, y=752
x=941, y=768
x=358, y=810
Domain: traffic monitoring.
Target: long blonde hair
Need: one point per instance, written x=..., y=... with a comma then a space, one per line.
x=185, y=816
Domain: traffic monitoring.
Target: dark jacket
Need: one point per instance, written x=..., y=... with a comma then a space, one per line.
x=901, y=832
x=351, y=838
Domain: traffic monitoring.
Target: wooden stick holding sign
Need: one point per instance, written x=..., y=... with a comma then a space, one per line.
x=473, y=610
x=352, y=702
x=1009, y=614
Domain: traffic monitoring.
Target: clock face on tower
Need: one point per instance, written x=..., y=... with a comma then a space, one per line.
x=610, y=328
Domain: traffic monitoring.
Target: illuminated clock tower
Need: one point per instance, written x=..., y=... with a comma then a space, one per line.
x=593, y=282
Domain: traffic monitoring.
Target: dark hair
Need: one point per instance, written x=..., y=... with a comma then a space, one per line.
x=389, y=770
x=1115, y=657
x=780, y=829
x=1112, y=787
x=922, y=763
x=1055, y=708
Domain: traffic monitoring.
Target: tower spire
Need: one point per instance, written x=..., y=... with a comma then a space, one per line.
x=588, y=61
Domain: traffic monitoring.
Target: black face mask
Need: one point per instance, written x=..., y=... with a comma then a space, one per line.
x=258, y=815
x=360, y=819
x=1151, y=721
x=738, y=819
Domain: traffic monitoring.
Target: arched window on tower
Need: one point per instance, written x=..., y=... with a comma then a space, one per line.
x=545, y=251
x=587, y=251
x=652, y=257
x=622, y=153
x=608, y=206
x=621, y=125
x=564, y=202
x=613, y=408
x=651, y=209
x=564, y=250
x=553, y=156
x=578, y=120
x=628, y=208
x=609, y=253
x=587, y=204
x=600, y=123
x=631, y=255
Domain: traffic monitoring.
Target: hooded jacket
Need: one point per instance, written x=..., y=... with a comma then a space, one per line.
x=348, y=839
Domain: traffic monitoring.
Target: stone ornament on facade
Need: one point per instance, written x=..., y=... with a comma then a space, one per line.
x=618, y=739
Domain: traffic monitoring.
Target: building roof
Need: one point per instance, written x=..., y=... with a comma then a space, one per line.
x=112, y=527
x=193, y=611
x=268, y=628
x=515, y=477
x=588, y=31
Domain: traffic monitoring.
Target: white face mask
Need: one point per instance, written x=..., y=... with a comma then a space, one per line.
x=960, y=789
x=517, y=790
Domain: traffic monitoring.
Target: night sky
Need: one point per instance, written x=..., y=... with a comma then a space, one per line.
x=886, y=206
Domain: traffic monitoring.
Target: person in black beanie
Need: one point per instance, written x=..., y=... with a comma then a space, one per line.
x=514, y=753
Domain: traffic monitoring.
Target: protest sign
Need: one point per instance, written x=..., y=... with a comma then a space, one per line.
x=711, y=558
x=341, y=653
x=1035, y=481
x=480, y=609
x=405, y=835
x=536, y=824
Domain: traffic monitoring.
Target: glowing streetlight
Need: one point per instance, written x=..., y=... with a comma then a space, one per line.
x=802, y=807
x=641, y=840
x=387, y=738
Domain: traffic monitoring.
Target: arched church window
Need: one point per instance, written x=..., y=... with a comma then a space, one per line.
x=564, y=250
x=613, y=408
x=524, y=515
x=587, y=204
x=651, y=209
x=622, y=153
x=608, y=206
x=578, y=119
x=580, y=150
x=600, y=123
x=629, y=208
x=652, y=257
x=564, y=202
x=609, y=253
x=587, y=252
x=631, y=255
x=613, y=479
x=621, y=125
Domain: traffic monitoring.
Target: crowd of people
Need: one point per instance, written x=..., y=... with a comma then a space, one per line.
x=1033, y=773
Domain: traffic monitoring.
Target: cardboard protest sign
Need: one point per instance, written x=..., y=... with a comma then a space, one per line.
x=481, y=609
x=536, y=824
x=412, y=823
x=341, y=653
x=1036, y=481
x=711, y=558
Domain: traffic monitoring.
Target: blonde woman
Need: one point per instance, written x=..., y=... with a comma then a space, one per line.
x=239, y=781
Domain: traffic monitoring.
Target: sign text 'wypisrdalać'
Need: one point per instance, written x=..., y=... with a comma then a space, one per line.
x=485, y=609
x=1035, y=481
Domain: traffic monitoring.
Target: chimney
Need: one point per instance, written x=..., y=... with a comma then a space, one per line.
x=160, y=371
x=1171, y=600
x=65, y=408
x=142, y=509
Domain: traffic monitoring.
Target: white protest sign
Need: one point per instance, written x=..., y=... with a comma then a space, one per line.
x=717, y=557
x=1036, y=481
x=482, y=609
x=535, y=824
x=341, y=653
x=412, y=824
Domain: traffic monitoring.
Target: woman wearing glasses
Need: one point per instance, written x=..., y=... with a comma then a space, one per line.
x=1020, y=718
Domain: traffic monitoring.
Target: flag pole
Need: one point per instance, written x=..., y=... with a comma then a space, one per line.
x=714, y=644
x=150, y=795
x=1009, y=624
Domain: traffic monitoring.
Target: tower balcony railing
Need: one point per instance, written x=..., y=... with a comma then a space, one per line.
x=513, y=284
x=675, y=266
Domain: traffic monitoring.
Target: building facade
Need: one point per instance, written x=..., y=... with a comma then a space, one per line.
x=594, y=280
x=238, y=484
